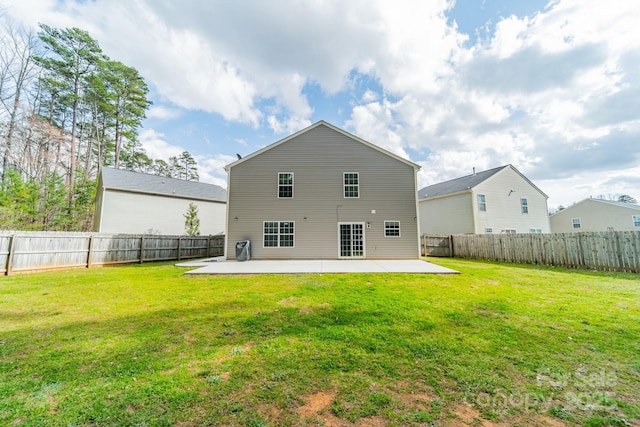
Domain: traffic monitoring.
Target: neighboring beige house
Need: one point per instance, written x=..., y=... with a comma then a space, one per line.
x=137, y=203
x=596, y=215
x=326, y=194
x=499, y=200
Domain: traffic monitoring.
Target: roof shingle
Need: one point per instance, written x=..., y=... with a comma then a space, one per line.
x=458, y=184
x=118, y=179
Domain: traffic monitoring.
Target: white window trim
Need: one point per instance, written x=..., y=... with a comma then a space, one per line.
x=364, y=241
x=635, y=220
x=524, y=206
x=344, y=186
x=293, y=181
x=399, y=228
x=573, y=223
x=484, y=203
x=278, y=234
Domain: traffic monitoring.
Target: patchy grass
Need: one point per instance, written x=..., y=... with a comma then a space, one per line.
x=500, y=344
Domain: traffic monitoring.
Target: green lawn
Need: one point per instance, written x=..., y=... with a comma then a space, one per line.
x=499, y=344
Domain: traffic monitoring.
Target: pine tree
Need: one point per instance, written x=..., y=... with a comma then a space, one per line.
x=191, y=221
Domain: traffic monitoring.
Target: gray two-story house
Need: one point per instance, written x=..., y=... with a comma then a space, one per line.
x=323, y=193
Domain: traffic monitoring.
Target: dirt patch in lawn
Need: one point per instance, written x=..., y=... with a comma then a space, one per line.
x=318, y=406
x=466, y=415
x=316, y=403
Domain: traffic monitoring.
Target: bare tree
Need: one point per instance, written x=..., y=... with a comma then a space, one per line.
x=18, y=71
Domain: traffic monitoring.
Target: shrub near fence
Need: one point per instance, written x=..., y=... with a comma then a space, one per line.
x=33, y=251
x=615, y=250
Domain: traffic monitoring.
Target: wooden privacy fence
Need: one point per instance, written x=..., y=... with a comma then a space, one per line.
x=33, y=251
x=612, y=250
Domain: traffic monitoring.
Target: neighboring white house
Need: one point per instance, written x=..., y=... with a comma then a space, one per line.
x=138, y=203
x=499, y=200
x=326, y=194
x=596, y=215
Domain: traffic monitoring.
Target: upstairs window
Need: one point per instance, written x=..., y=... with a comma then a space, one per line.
x=482, y=204
x=488, y=230
x=535, y=230
x=392, y=228
x=524, y=206
x=575, y=222
x=351, y=185
x=285, y=185
x=636, y=220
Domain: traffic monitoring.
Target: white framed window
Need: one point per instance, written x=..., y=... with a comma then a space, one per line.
x=278, y=234
x=482, y=203
x=524, y=206
x=488, y=230
x=285, y=185
x=392, y=229
x=535, y=230
x=636, y=220
x=610, y=229
x=351, y=182
x=509, y=231
x=575, y=222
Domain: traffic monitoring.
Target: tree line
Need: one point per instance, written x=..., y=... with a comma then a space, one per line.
x=66, y=110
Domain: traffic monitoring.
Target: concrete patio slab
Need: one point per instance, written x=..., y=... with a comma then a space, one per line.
x=220, y=266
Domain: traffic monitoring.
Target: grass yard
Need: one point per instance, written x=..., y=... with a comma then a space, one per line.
x=144, y=345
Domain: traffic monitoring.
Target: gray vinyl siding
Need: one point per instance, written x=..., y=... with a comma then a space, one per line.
x=318, y=158
x=447, y=215
x=503, y=205
x=595, y=215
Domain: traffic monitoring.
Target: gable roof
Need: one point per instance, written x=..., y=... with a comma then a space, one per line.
x=466, y=183
x=604, y=202
x=330, y=126
x=135, y=182
x=458, y=184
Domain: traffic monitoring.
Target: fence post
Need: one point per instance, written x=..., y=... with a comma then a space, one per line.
x=451, y=245
x=10, y=255
x=179, y=246
x=141, y=249
x=90, y=252
x=208, y=246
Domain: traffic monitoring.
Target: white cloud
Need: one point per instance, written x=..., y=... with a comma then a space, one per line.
x=163, y=113
x=211, y=169
x=374, y=123
x=556, y=93
x=155, y=145
x=287, y=126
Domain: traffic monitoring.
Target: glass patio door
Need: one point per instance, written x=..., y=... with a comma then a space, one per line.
x=351, y=236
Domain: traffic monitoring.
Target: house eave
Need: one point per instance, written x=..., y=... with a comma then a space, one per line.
x=153, y=193
x=441, y=196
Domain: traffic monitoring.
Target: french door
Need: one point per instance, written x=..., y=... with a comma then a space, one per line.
x=351, y=239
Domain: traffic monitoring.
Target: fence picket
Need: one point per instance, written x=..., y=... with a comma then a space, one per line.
x=33, y=251
x=611, y=250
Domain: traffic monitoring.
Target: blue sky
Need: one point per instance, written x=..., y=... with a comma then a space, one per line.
x=551, y=87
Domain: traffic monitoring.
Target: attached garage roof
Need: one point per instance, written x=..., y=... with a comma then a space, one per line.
x=135, y=182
